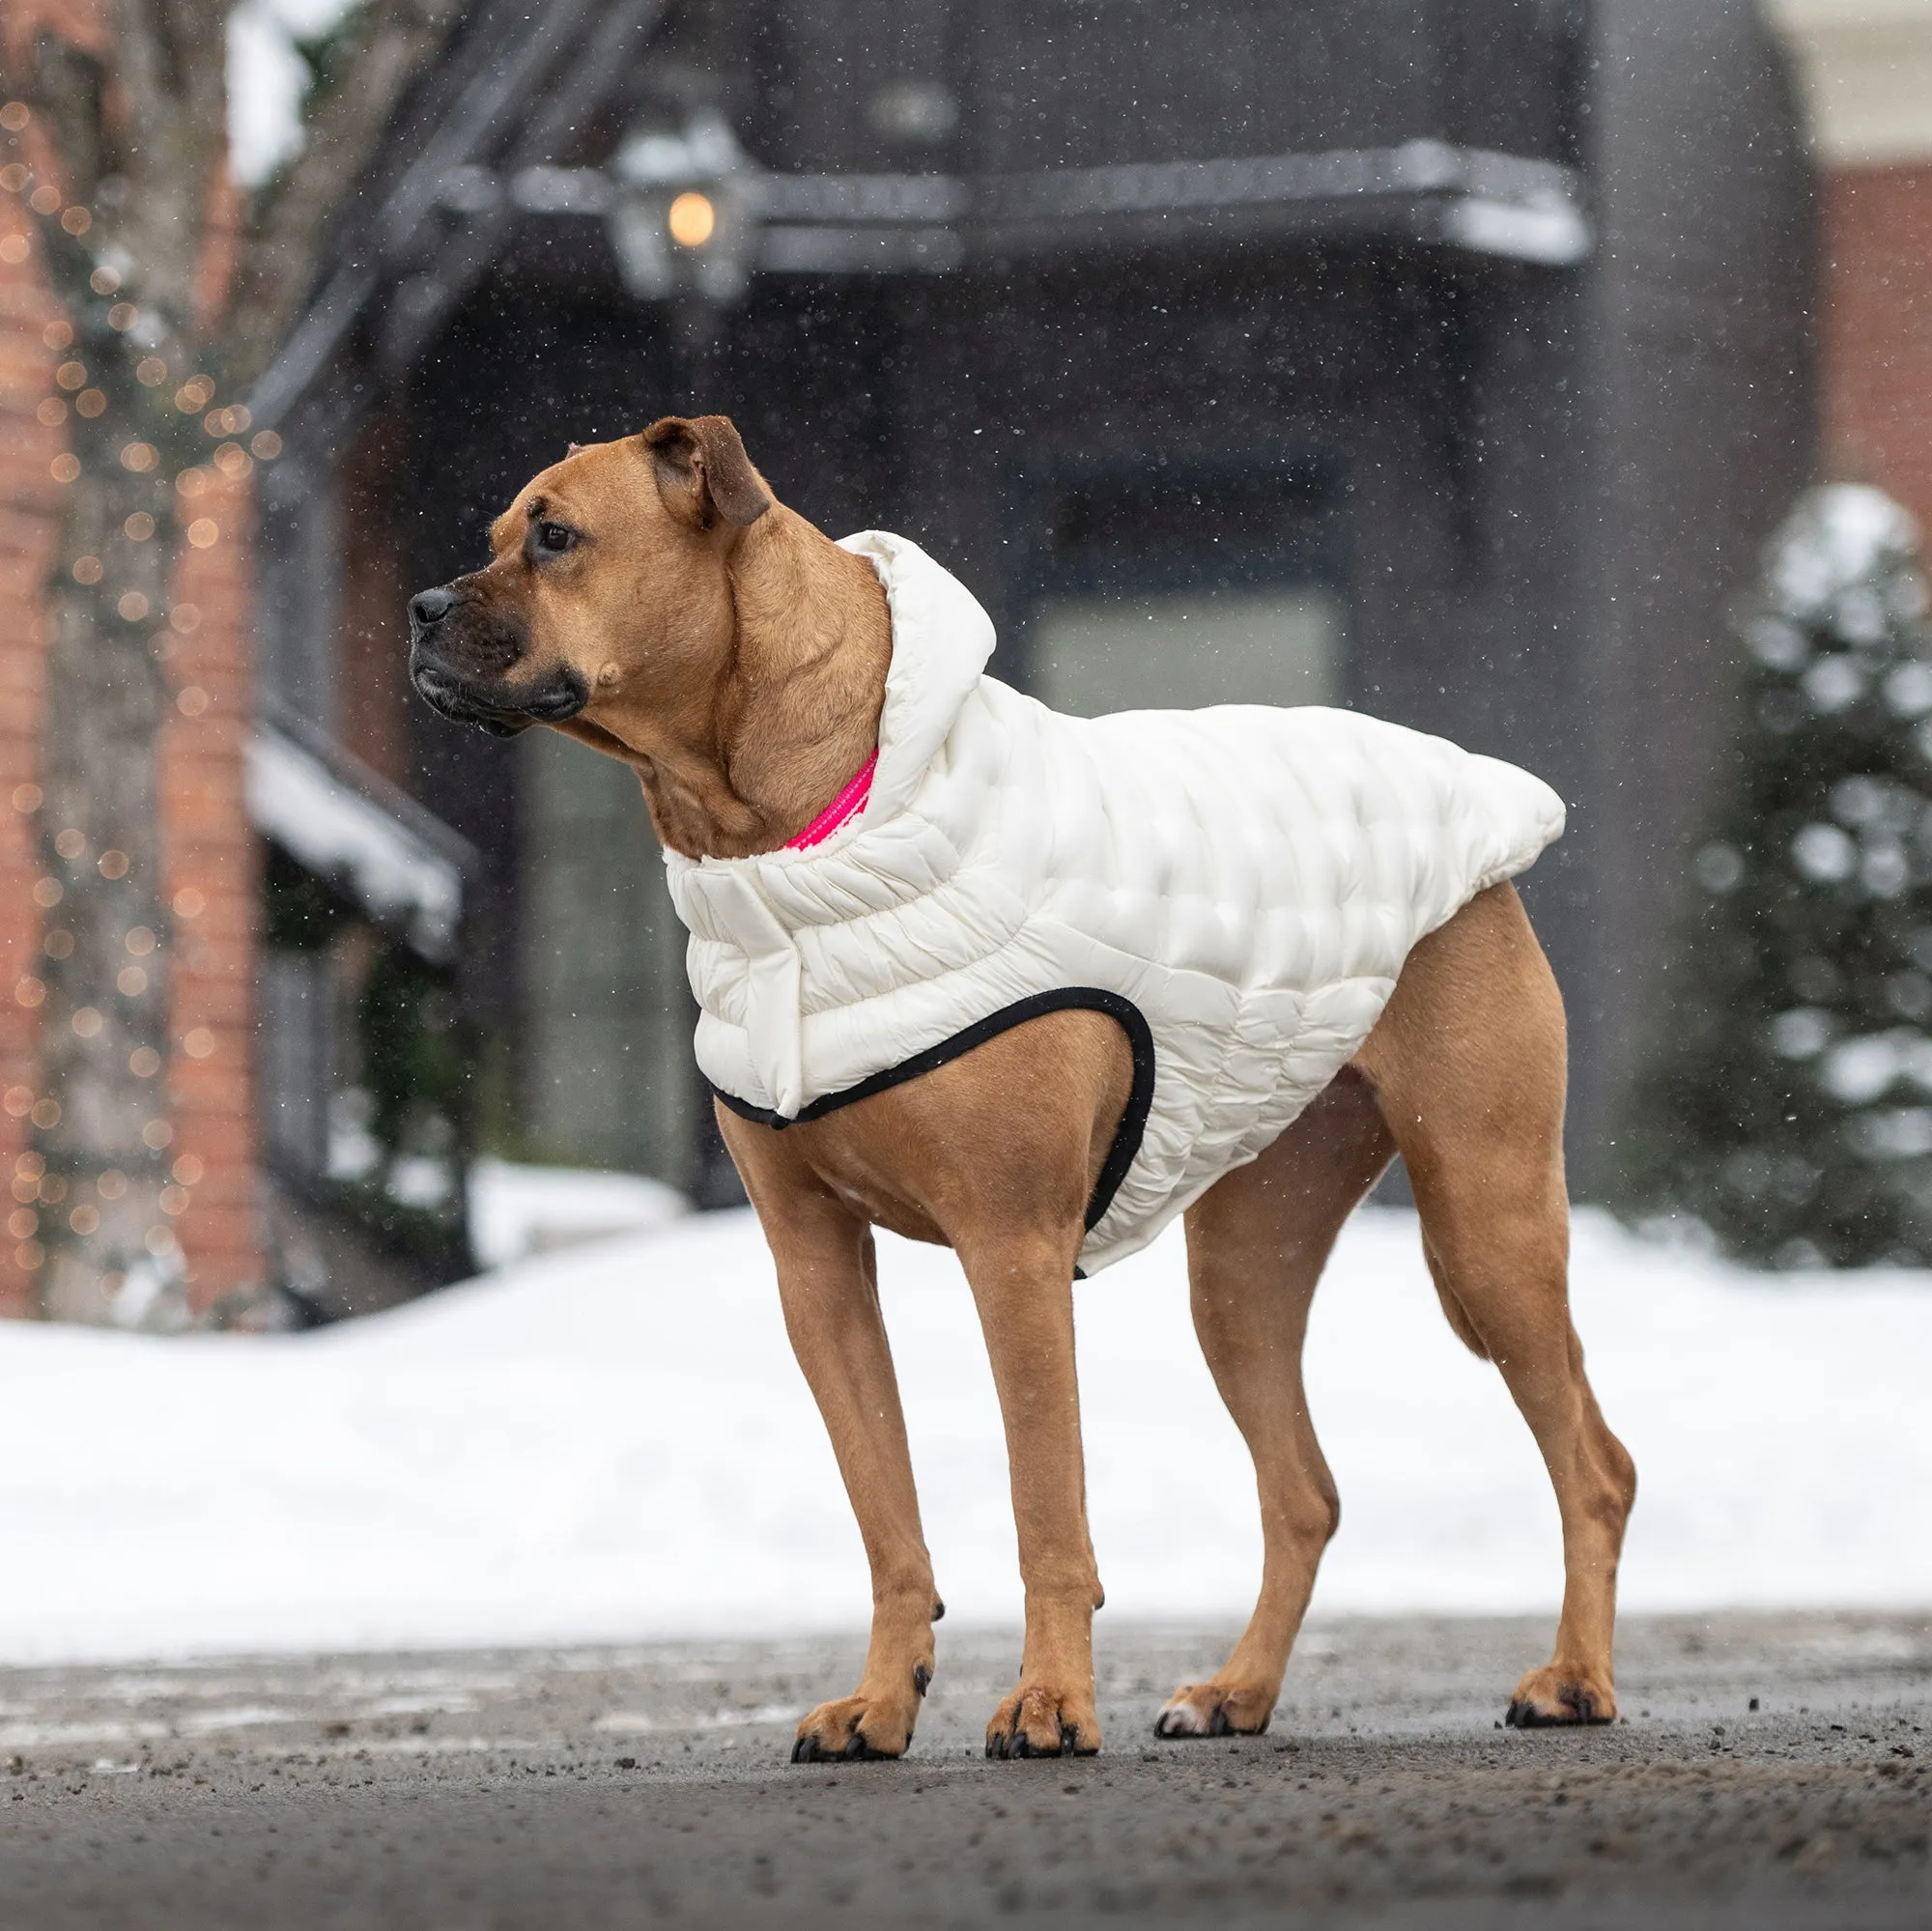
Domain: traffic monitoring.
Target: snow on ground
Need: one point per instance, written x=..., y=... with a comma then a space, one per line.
x=613, y=1443
x=517, y=1210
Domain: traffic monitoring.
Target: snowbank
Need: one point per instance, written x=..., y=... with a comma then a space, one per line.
x=518, y=1210
x=614, y=1443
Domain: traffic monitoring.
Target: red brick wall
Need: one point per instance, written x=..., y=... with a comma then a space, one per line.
x=210, y=851
x=1876, y=365
x=212, y=864
x=373, y=644
x=28, y=501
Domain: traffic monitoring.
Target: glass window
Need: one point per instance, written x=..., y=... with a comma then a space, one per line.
x=605, y=1023
x=1181, y=649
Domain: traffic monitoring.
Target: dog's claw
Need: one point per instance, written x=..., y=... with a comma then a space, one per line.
x=1016, y=1744
x=812, y=1749
x=1183, y=1716
x=1582, y=1706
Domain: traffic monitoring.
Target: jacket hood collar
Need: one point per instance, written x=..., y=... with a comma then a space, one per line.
x=941, y=642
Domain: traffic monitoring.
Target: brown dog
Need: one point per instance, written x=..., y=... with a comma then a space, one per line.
x=651, y=598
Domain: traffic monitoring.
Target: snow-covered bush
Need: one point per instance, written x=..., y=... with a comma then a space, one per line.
x=1790, y=1106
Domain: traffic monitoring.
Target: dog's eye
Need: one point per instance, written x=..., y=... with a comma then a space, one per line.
x=554, y=539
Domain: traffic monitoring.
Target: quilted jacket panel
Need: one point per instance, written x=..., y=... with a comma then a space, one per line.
x=1251, y=879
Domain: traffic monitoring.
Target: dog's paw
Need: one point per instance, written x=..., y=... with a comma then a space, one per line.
x=1551, y=1697
x=859, y=1729
x=1214, y=1710
x=1039, y=1721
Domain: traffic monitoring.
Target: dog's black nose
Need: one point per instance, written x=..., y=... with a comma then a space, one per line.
x=430, y=607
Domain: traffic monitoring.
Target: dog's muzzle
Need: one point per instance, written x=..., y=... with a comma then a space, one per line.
x=496, y=705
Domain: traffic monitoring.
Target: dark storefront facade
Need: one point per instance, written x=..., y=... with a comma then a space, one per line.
x=1445, y=359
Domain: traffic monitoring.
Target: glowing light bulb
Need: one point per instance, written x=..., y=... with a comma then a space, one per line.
x=693, y=220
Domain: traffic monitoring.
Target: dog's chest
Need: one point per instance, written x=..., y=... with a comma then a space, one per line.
x=1008, y=1137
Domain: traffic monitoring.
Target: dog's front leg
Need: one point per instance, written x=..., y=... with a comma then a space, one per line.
x=828, y=1282
x=1024, y=1289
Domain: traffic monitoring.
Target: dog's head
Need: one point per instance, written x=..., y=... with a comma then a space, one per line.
x=605, y=584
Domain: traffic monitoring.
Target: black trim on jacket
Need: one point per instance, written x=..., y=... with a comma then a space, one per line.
x=1068, y=998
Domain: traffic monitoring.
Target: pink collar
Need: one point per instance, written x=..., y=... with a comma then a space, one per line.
x=847, y=804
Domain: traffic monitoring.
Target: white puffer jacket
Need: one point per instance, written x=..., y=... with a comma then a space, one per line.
x=1239, y=887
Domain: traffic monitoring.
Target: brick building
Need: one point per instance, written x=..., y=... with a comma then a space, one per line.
x=1446, y=356
x=1865, y=67
x=213, y=878
x=245, y=798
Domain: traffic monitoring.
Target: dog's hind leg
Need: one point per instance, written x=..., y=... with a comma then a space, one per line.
x=1467, y=1063
x=1256, y=1245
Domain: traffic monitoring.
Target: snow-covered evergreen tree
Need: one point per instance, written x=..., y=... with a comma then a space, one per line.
x=1790, y=1109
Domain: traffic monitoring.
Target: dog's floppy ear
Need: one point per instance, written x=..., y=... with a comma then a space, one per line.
x=703, y=471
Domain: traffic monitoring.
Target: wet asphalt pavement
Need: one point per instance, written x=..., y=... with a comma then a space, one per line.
x=644, y=1787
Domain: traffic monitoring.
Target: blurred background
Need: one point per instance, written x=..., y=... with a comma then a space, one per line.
x=1449, y=358
x=1552, y=376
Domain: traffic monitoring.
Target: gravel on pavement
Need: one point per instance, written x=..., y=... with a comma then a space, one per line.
x=1768, y=1772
